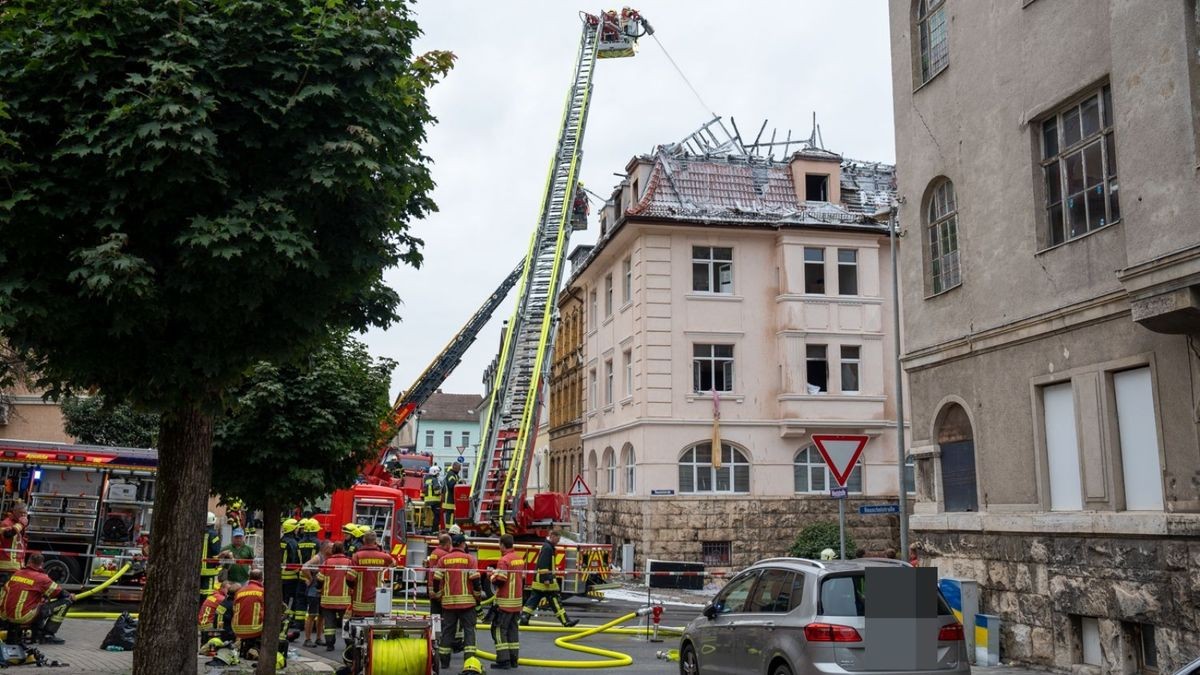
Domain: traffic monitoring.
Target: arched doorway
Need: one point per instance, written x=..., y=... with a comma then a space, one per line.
x=956, y=441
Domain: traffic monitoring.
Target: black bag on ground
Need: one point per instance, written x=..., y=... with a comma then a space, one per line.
x=123, y=633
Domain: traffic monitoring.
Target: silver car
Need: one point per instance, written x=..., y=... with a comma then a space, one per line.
x=791, y=616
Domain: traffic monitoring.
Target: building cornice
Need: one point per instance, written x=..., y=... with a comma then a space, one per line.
x=787, y=427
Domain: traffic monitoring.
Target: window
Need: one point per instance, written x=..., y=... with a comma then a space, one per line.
x=1138, y=432
x=447, y=439
x=1146, y=647
x=847, y=271
x=608, y=382
x=627, y=359
x=733, y=597
x=1062, y=448
x=429, y=438
x=910, y=475
x=627, y=281
x=774, y=592
x=942, y=235
x=1079, y=163
x=593, y=311
x=712, y=269
x=935, y=44
x=810, y=474
x=814, y=271
x=1089, y=640
x=712, y=368
x=718, y=553
x=817, y=364
x=816, y=187
x=592, y=390
x=697, y=475
x=608, y=296
x=466, y=439
x=610, y=472
x=630, y=462
x=850, y=384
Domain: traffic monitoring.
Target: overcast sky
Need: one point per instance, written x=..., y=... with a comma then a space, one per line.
x=499, y=111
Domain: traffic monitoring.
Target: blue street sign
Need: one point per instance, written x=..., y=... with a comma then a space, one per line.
x=871, y=509
x=661, y=493
x=461, y=459
x=837, y=492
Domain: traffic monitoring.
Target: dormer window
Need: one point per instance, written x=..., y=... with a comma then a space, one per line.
x=816, y=187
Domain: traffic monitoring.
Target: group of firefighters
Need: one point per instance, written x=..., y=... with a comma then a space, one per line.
x=29, y=598
x=437, y=493
x=327, y=582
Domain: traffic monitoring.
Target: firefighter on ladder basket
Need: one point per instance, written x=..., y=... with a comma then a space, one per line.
x=456, y=584
x=431, y=494
x=545, y=585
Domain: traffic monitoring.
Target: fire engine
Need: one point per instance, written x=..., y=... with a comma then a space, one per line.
x=89, y=509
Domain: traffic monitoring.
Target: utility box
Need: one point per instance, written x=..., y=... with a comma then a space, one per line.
x=987, y=640
x=627, y=558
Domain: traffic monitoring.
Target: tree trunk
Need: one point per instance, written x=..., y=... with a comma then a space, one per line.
x=272, y=586
x=167, y=632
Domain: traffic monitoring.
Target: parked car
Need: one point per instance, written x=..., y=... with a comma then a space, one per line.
x=791, y=616
x=1192, y=668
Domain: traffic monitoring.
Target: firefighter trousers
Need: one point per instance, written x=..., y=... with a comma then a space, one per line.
x=332, y=619
x=506, y=633
x=452, y=620
x=535, y=599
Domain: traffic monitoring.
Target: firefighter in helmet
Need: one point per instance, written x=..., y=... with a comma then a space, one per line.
x=209, y=567
x=431, y=494
x=545, y=585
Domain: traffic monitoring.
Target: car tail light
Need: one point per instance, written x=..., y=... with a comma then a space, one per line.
x=951, y=632
x=829, y=632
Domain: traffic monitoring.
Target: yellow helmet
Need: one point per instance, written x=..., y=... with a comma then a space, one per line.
x=350, y=529
x=472, y=665
x=290, y=525
x=361, y=530
x=311, y=526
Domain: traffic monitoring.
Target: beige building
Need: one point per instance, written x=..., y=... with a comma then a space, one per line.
x=25, y=416
x=1048, y=152
x=565, y=392
x=763, y=281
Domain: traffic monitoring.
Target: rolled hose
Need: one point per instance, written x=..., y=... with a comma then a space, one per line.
x=611, y=659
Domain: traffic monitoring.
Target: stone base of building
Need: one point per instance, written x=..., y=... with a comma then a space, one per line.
x=676, y=528
x=1043, y=586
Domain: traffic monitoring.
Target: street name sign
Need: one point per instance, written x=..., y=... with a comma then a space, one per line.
x=873, y=509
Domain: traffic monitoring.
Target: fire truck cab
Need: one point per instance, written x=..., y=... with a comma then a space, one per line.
x=381, y=508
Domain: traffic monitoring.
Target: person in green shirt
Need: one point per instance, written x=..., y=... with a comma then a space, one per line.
x=239, y=571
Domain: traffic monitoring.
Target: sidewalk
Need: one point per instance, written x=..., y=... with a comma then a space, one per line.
x=83, y=655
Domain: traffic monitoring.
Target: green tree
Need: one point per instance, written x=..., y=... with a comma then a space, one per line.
x=297, y=432
x=816, y=538
x=94, y=421
x=188, y=188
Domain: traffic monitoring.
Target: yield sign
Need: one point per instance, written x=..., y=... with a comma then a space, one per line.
x=840, y=453
x=579, y=488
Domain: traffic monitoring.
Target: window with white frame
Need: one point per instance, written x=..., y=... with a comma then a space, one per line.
x=447, y=439
x=608, y=295
x=629, y=461
x=593, y=311
x=429, y=438
x=610, y=471
x=850, y=369
x=466, y=439
x=942, y=227
x=626, y=281
x=608, y=382
x=1062, y=447
x=712, y=368
x=810, y=474
x=932, y=29
x=627, y=359
x=593, y=390
x=910, y=475
x=697, y=474
x=712, y=269
x=816, y=362
x=814, y=271
x=847, y=271
x=1079, y=164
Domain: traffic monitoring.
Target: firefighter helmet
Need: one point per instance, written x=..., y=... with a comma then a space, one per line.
x=289, y=525
x=435, y=470
x=312, y=526
x=212, y=519
x=472, y=665
x=828, y=554
x=350, y=529
x=361, y=530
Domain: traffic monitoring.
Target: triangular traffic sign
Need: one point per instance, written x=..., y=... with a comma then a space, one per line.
x=579, y=488
x=841, y=453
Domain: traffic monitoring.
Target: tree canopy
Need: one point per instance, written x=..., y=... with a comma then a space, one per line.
x=93, y=421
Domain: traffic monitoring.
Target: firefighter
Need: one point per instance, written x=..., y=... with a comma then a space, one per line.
x=217, y=610
x=249, y=605
x=293, y=608
x=545, y=585
x=509, y=580
x=457, y=584
x=13, y=540
x=431, y=562
x=335, y=593
x=235, y=515
x=30, y=599
x=471, y=666
x=453, y=478
x=350, y=538
x=209, y=567
x=364, y=574
x=431, y=494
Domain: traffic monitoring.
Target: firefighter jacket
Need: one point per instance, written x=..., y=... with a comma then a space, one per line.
x=12, y=544
x=547, y=578
x=431, y=562
x=249, y=606
x=351, y=544
x=457, y=580
x=509, y=581
x=335, y=592
x=364, y=577
x=212, y=611
x=24, y=593
x=308, y=545
x=452, y=480
x=209, y=567
x=291, y=557
x=431, y=490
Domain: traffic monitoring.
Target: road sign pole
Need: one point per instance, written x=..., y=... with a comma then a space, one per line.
x=842, y=526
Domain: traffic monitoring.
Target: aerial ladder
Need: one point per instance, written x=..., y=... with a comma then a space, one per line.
x=509, y=429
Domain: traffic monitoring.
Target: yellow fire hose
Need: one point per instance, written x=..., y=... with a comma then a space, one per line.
x=92, y=591
x=611, y=659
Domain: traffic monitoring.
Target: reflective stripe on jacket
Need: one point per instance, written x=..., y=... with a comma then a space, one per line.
x=24, y=593
x=509, y=580
x=291, y=558
x=209, y=550
x=211, y=611
x=335, y=593
x=12, y=545
x=364, y=576
x=432, y=490
x=248, y=609
x=457, y=578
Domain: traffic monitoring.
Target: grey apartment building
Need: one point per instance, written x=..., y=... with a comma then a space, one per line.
x=1047, y=161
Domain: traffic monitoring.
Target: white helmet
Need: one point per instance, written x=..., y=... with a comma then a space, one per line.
x=455, y=530
x=828, y=554
x=212, y=519
x=435, y=470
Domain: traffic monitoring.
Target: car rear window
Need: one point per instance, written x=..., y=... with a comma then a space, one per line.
x=846, y=596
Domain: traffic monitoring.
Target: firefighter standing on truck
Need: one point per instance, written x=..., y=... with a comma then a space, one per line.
x=365, y=572
x=509, y=580
x=291, y=571
x=453, y=477
x=209, y=567
x=431, y=494
x=545, y=585
x=457, y=585
x=13, y=541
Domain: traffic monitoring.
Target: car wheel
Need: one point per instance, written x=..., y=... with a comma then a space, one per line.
x=688, y=665
x=782, y=669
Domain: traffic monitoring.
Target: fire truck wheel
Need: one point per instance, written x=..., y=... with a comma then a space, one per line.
x=63, y=570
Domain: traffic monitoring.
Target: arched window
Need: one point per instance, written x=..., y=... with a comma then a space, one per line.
x=697, y=474
x=933, y=31
x=628, y=460
x=942, y=236
x=610, y=471
x=593, y=466
x=810, y=475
